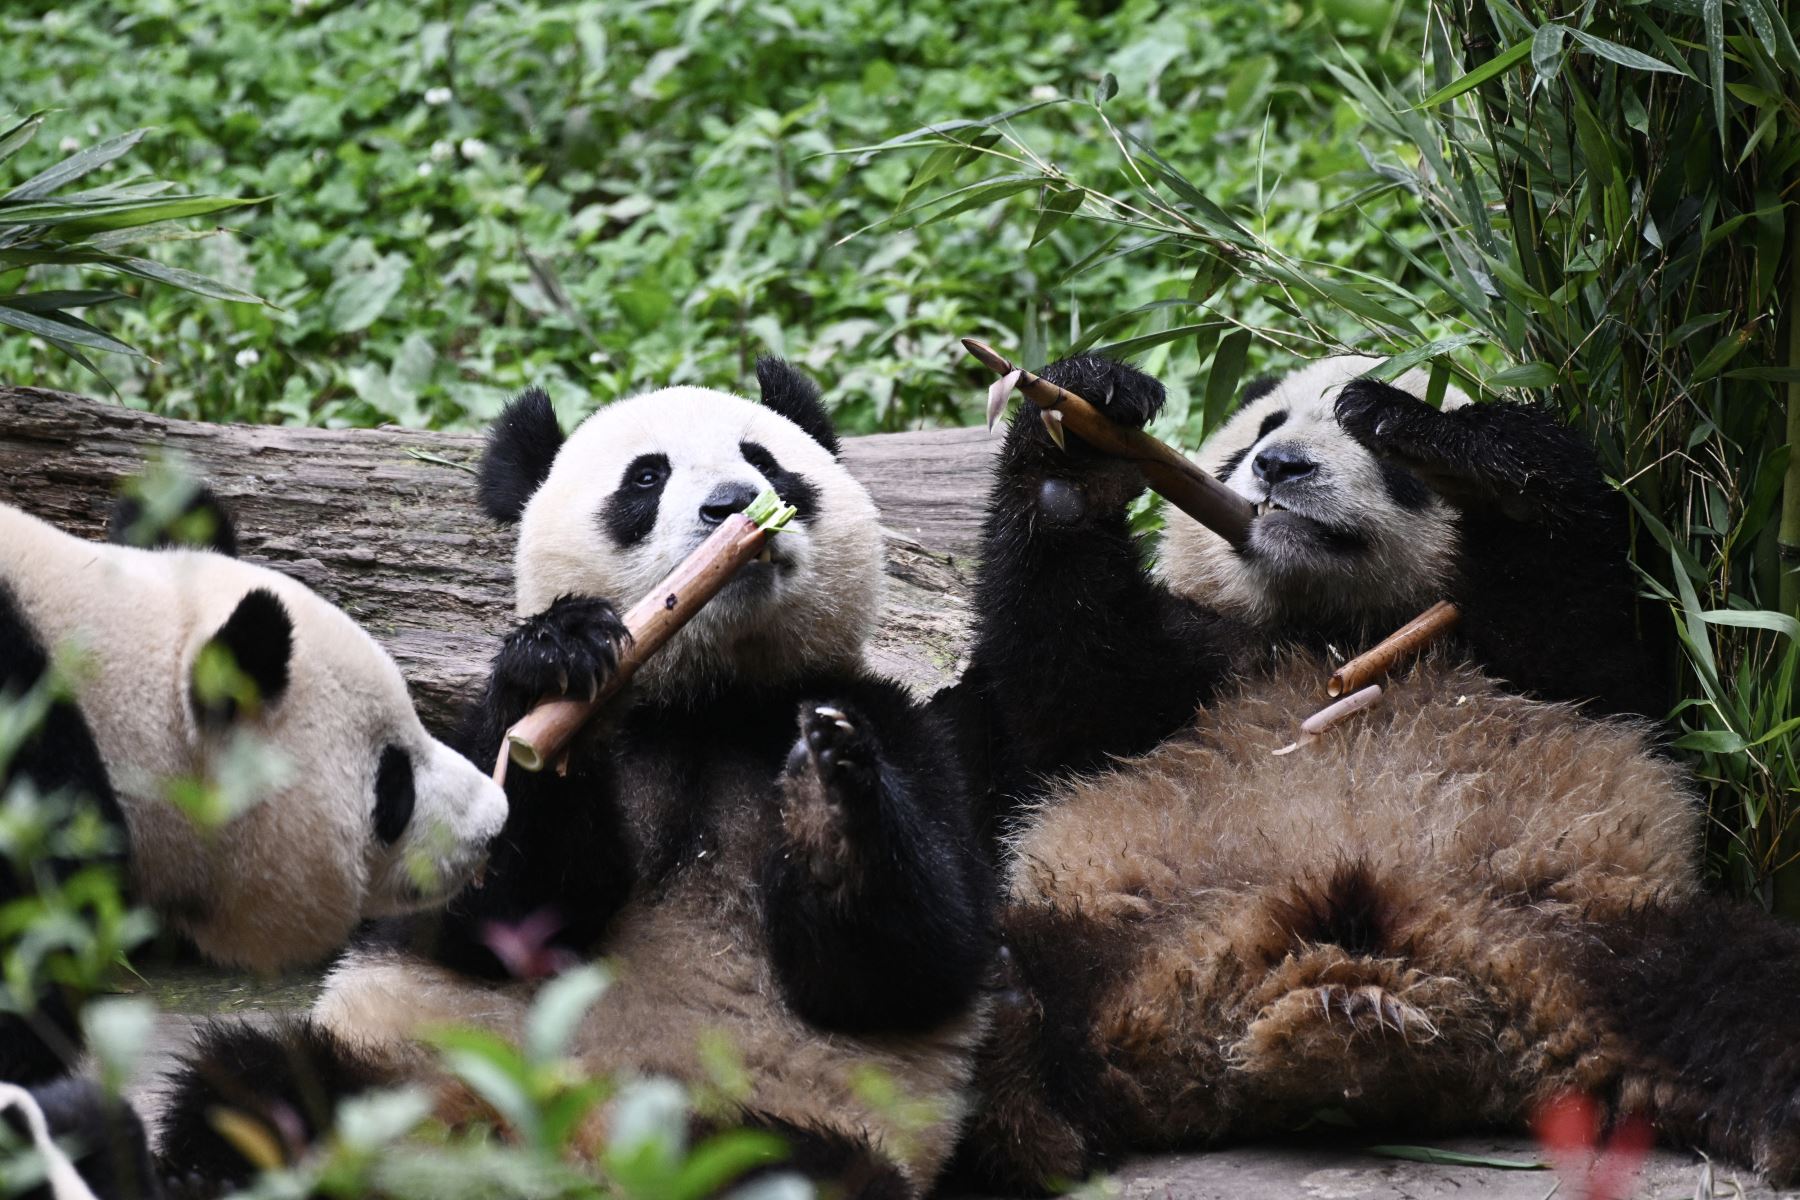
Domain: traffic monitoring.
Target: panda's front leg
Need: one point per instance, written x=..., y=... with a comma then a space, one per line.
x=558, y=869
x=876, y=908
x=1541, y=532
x=1078, y=653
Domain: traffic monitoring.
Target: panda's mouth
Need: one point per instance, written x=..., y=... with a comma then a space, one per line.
x=1264, y=507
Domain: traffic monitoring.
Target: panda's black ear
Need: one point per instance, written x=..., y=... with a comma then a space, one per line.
x=204, y=523
x=253, y=647
x=520, y=448
x=795, y=397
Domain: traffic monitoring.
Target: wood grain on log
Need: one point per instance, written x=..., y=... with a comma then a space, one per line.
x=383, y=522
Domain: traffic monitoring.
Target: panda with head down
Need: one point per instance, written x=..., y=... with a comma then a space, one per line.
x=762, y=838
x=1478, y=895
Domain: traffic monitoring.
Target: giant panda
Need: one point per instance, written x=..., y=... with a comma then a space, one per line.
x=1477, y=895
x=762, y=838
x=368, y=815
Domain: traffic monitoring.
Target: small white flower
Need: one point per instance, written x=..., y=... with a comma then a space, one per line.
x=69, y=145
x=248, y=357
x=424, y=170
x=473, y=148
x=441, y=149
x=596, y=358
x=1043, y=91
x=300, y=7
x=437, y=95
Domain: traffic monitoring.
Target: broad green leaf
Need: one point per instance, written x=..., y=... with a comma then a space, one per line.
x=1058, y=207
x=559, y=1008
x=356, y=300
x=1546, y=51
x=1524, y=375
x=1227, y=369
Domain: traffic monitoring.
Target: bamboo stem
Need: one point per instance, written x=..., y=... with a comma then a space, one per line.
x=1165, y=469
x=1385, y=655
x=542, y=735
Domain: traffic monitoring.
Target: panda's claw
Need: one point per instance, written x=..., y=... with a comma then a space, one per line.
x=836, y=748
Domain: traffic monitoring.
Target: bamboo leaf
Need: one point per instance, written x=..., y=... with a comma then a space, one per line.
x=62, y=328
x=1227, y=369
x=1456, y=1158
x=187, y=281
x=1400, y=364
x=1623, y=55
x=1546, y=51
x=1058, y=207
x=74, y=167
x=1712, y=13
x=1505, y=61
x=19, y=135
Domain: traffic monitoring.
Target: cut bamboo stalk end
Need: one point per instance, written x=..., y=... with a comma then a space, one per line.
x=1168, y=471
x=1403, y=643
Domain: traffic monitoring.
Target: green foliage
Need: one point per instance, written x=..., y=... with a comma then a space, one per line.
x=601, y=196
x=1589, y=207
x=98, y=231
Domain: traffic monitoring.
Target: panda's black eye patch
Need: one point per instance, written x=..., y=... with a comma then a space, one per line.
x=1231, y=463
x=393, y=794
x=795, y=489
x=1271, y=423
x=629, y=514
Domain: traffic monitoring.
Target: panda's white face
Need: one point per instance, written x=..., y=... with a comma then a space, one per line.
x=1339, y=535
x=359, y=812
x=644, y=481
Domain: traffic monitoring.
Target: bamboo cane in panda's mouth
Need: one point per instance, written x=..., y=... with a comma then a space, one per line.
x=1168, y=471
x=542, y=736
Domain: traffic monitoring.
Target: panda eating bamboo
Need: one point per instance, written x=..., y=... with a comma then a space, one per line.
x=764, y=839
x=1475, y=896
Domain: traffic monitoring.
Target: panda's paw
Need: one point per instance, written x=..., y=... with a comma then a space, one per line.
x=833, y=748
x=1119, y=390
x=1382, y=417
x=569, y=649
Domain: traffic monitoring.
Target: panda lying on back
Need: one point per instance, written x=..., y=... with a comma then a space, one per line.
x=766, y=841
x=1443, y=914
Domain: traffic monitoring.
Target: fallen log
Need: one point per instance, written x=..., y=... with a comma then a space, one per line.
x=383, y=522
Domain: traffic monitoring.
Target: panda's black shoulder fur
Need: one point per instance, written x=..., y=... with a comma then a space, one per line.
x=791, y=393
x=60, y=757
x=520, y=450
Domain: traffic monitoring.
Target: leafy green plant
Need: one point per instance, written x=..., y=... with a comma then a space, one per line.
x=97, y=231
x=601, y=197
x=1587, y=206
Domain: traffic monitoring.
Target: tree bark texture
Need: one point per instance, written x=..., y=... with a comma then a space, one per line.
x=383, y=522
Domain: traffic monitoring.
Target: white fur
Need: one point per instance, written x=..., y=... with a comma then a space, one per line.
x=286, y=880
x=824, y=602
x=1288, y=575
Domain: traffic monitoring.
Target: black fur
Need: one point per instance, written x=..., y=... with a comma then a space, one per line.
x=104, y=1137
x=629, y=514
x=287, y=1078
x=1542, y=533
x=794, y=396
x=259, y=636
x=1078, y=653
x=204, y=513
x=793, y=487
x=394, y=795
x=838, y=1166
x=524, y=442
x=61, y=758
x=892, y=939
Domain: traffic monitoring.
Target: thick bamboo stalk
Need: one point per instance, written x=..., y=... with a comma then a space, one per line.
x=1375, y=663
x=1165, y=468
x=543, y=734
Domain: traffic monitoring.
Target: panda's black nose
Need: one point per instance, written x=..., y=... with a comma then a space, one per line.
x=726, y=499
x=1284, y=460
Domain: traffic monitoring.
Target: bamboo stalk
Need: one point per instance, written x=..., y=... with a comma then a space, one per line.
x=1385, y=655
x=542, y=735
x=1165, y=469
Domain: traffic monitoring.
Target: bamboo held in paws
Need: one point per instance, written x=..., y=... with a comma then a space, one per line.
x=541, y=735
x=1165, y=468
x=1409, y=639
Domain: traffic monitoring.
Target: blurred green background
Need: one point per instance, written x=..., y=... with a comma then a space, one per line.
x=603, y=197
